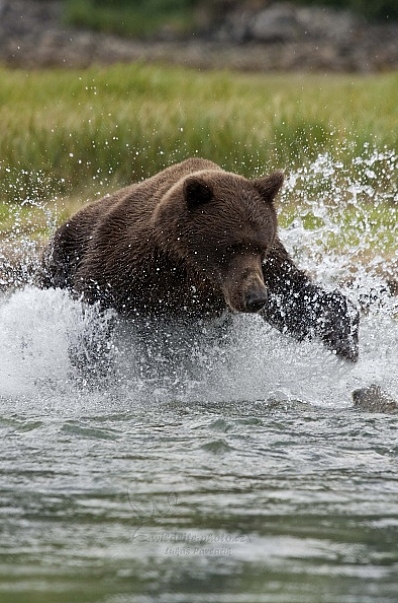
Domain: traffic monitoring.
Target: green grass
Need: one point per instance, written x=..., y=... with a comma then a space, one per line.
x=81, y=133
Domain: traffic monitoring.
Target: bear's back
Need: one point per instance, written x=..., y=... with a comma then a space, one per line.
x=141, y=198
x=108, y=222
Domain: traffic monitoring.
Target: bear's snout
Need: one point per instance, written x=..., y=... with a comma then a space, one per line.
x=256, y=299
x=249, y=296
x=244, y=288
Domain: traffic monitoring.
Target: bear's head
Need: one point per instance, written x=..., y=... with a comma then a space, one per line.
x=222, y=226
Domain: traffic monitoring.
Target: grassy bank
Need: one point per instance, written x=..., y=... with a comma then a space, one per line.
x=80, y=133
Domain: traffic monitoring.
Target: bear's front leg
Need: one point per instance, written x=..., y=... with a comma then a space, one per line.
x=300, y=308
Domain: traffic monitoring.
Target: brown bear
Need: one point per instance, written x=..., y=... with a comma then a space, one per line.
x=193, y=241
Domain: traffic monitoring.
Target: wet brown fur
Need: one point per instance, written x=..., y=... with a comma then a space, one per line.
x=191, y=242
x=163, y=247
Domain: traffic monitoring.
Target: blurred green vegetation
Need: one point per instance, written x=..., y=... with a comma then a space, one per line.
x=139, y=18
x=64, y=132
x=73, y=135
x=373, y=9
x=144, y=17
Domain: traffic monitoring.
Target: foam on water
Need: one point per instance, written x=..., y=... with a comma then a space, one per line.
x=38, y=329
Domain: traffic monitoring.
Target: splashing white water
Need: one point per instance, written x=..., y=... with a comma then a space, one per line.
x=38, y=329
x=35, y=327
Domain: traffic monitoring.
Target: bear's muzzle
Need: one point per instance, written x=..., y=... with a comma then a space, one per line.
x=256, y=299
x=243, y=286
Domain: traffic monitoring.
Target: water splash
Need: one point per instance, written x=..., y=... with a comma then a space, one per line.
x=344, y=234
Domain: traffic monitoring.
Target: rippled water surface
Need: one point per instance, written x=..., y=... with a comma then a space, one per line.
x=252, y=479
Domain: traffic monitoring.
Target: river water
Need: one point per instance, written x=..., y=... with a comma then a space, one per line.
x=252, y=479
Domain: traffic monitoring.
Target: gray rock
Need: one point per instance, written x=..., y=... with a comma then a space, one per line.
x=235, y=28
x=282, y=37
x=323, y=23
x=374, y=399
x=278, y=23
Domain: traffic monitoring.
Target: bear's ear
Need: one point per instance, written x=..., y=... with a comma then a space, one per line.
x=196, y=192
x=269, y=186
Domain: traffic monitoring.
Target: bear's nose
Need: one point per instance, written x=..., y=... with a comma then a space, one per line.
x=255, y=300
